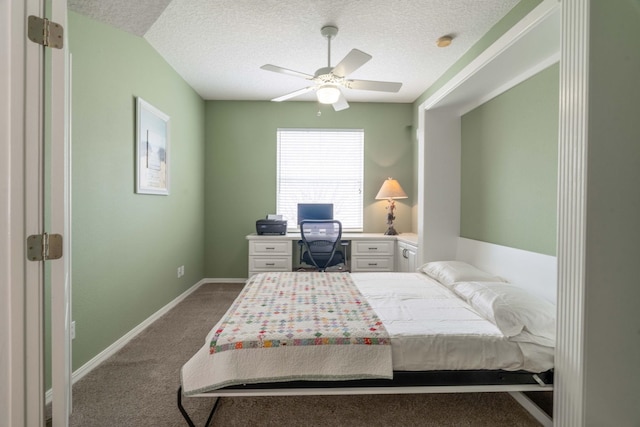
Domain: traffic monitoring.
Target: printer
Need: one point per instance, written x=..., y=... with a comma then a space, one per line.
x=271, y=226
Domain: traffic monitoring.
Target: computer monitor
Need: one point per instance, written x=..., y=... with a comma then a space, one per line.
x=314, y=211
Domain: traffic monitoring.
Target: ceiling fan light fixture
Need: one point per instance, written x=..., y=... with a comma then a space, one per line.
x=328, y=94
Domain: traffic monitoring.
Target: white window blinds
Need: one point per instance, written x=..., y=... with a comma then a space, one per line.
x=321, y=166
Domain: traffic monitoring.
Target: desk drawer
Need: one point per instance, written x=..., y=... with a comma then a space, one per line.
x=272, y=247
x=371, y=264
x=372, y=247
x=270, y=264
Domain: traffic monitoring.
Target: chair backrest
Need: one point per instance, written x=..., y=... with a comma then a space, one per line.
x=321, y=239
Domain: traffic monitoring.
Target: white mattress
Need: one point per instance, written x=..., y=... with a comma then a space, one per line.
x=433, y=329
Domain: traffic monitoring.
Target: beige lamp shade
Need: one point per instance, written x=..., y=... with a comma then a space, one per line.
x=391, y=189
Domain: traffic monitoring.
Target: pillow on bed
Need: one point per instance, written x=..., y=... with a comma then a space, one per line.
x=450, y=272
x=512, y=309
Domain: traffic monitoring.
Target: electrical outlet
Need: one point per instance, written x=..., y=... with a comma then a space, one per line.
x=73, y=330
x=180, y=271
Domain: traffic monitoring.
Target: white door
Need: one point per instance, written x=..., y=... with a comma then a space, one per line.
x=21, y=394
x=21, y=190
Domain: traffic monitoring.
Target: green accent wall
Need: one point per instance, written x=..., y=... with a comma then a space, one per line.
x=126, y=246
x=241, y=167
x=510, y=166
x=514, y=16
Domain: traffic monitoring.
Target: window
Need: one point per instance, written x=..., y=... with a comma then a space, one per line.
x=321, y=166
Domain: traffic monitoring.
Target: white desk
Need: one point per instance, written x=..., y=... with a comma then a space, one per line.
x=365, y=251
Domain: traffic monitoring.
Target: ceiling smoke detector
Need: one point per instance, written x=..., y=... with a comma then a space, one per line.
x=444, y=41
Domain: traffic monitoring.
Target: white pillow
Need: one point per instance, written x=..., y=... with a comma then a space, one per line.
x=512, y=309
x=450, y=272
x=527, y=337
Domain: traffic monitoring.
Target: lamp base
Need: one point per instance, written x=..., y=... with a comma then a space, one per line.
x=391, y=231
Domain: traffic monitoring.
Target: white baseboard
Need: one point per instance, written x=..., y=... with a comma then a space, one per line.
x=218, y=280
x=124, y=340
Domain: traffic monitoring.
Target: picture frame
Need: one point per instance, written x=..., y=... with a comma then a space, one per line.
x=152, y=149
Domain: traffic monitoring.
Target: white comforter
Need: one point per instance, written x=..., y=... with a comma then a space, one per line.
x=433, y=329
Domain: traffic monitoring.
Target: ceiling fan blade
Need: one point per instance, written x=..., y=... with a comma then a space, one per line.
x=354, y=60
x=293, y=94
x=281, y=70
x=341, y=103
x=373, y=85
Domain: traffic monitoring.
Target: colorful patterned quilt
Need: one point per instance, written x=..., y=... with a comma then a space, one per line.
x=292, y=326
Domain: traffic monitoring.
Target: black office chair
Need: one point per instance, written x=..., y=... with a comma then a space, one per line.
x=320, y=242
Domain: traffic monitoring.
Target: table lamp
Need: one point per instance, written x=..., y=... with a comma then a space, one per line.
x=391, y=190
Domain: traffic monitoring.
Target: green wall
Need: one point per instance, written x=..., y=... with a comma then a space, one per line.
x=127, y=247
x=510, y=166
x=241, y=167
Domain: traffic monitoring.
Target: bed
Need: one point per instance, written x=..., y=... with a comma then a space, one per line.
x=449, y=327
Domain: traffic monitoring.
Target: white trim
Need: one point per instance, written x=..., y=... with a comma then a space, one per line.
x=222, y=280
x=532, y=408
x=11, y=214
x=508, y=84
x=57, y=187
x=33, y=197
x=573, y=145
x=125, y=339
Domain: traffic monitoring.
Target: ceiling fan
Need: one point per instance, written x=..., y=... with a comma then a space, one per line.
x=328, y=80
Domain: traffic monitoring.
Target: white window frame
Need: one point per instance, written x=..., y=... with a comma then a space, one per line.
x=318, y=156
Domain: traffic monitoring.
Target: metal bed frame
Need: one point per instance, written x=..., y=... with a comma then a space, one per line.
x=403, y=382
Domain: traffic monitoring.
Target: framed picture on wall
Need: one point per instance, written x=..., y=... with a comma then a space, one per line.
x=152, y=149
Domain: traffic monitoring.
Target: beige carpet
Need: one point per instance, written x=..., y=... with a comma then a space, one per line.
x=137, y=387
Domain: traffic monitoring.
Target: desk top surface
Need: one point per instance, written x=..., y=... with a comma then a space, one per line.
x=403, y=237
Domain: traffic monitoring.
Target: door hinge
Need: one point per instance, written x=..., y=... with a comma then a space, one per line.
x=45, y=32
x=43, y=247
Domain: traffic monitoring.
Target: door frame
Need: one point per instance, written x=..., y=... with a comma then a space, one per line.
x=21, y=198
x=58, y=186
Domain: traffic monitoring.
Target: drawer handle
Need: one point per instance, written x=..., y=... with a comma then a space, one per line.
x=270, y=264
x=372, y=264
x=373, y=249
x=269, y=249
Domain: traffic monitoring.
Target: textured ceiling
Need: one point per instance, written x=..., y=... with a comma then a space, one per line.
x=133, y=16
x=218, y=46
